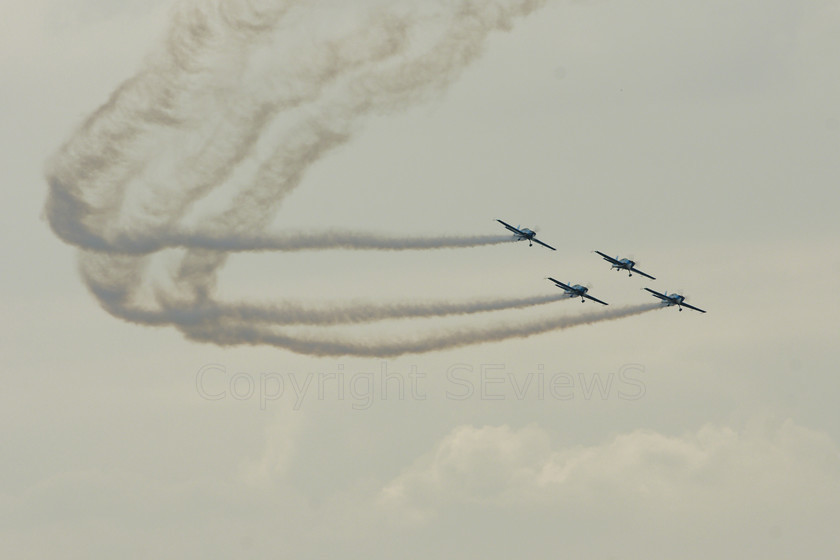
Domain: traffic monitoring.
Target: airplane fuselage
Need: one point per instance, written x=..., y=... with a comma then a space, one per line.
x=576, y=291
x=625, y=264
x=674, y=299
x=527, y=234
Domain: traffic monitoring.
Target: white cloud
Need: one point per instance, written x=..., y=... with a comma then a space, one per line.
x=742, y=471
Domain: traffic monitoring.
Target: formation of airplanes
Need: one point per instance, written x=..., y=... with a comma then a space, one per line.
x=617, y=263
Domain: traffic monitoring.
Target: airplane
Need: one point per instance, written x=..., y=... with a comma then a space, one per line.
x=576, y=291
x=673, y=299
x=624, y=264
x=525, y=233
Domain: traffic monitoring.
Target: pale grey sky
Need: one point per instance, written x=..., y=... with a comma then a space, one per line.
x=700, y=138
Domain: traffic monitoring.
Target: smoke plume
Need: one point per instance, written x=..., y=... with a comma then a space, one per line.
x=238, y=333
x=240, y=88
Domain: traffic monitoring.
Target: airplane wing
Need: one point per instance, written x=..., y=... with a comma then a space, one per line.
x=560, y=284
x=637, y=271
x=663, y=297
x=511, y=228
x=609, y=258
x=684, y=304
x=535, y=240
x=587, y=296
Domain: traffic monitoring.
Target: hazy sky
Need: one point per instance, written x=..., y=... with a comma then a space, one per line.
x=701, y=140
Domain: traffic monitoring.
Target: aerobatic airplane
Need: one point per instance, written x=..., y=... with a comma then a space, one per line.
x=673, y=299
x=576, y=291
x=525, y=233
x=624, y=264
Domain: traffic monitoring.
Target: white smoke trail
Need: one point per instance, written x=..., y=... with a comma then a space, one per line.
x=116, y=297
x=89, y=176
x=237, y=242
x=242, y=333
x=295, y=314
x=338, y=240
x=208, y=47
x=118, y=193
x=383, y=88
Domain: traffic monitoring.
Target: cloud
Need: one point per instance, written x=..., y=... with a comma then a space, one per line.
x=787, y=468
